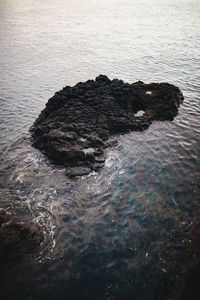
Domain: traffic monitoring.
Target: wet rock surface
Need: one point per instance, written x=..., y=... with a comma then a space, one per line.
x=77, y=121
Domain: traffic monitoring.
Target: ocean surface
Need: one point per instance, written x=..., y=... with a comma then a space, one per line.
x=123, y=233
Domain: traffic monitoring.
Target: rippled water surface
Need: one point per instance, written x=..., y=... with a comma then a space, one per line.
x=124, y=232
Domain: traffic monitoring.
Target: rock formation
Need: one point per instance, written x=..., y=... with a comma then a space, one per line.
x=77, y=121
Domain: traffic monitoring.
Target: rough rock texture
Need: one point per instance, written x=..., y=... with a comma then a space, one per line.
x=73, y=128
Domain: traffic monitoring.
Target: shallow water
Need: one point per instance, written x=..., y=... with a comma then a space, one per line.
x=122, y=233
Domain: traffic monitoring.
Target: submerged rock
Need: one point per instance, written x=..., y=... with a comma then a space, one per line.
x=17, y=239
x=76, y=122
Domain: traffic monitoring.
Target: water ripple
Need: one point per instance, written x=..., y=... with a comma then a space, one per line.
x=115, y=234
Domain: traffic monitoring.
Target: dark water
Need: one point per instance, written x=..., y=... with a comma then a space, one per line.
x=125, y=232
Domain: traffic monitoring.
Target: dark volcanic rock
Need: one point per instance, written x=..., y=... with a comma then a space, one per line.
x=77, y=121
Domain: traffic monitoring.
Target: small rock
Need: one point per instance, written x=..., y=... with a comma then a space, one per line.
x=77, y=171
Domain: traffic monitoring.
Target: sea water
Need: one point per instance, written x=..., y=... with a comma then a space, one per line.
x=121, y=233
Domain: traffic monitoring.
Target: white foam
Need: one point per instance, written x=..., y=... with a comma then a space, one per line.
x=19, y=178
